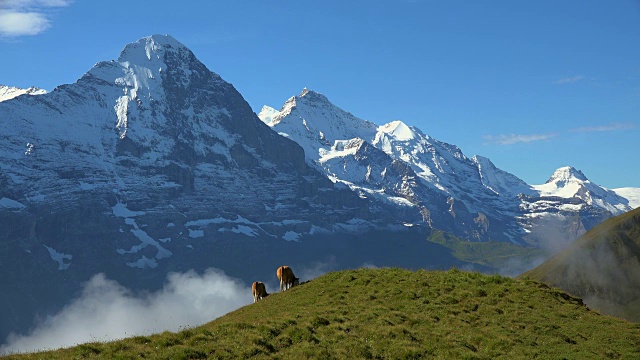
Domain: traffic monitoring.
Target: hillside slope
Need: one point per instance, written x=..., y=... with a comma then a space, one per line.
x=393, y=313
x=602, y=267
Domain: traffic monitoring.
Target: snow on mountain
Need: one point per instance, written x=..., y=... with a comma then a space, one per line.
x=315, y=123
x=444, y=187
x=10, y=92
x=631, y=194
x=267, y=114
x=468, y=196
x=156, y=120
x=568, y=182
x=398, y=130
x=500, y=181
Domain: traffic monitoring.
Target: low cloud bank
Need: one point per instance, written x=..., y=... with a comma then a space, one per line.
x=108, y=311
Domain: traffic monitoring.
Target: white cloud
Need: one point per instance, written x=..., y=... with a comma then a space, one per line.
x=22, y=23
x=609, y=127
x=26, y=17
x=108, y=311
x=570, y=79
x=508, y=139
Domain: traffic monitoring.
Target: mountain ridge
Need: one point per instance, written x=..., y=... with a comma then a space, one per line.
x=473, y=191
x=10, y=92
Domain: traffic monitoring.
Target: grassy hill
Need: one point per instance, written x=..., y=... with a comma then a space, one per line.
x=602, y=267
x=396, y=314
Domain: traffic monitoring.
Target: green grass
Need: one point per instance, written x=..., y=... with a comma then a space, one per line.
x=494, y=254
x=392, y=314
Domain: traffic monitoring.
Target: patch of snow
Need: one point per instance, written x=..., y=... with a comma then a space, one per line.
x=145, y=240
x=399, y=130
x=246, y=230
x=196, y=233
x=631, y=194
x=10, y=92
x=566, y=190
x=400, y=201
x=241, y=229
x=120, y=210
x=29, y=149
x=59, y=258
x=143, y=263
x=170, y=225
x=267, y=114
x=205, y=222
x=291, y=236
x=340, y=149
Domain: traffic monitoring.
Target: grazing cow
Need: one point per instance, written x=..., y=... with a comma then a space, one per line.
x=259, y=291
x=286, y=277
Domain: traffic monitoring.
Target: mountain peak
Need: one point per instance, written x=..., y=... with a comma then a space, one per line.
x=312, y=96
x=398, y=130
x=567, y=173
x=149, y=48
x=268, y=114
x=309, y=99
x=9, y=92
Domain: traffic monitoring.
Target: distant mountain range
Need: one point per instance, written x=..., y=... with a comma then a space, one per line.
x=602, y=267
x=434, y=183
x=9, y=92
x=152, y=163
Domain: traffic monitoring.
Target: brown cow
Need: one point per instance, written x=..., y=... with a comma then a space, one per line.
x=286, y=277
x=259, y=291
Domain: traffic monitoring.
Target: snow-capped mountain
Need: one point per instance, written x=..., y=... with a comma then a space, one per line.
x=152, y=163
x=567, y=182
x=445, y=189
x=10, y=92
x=631, y=194
x=568, y=201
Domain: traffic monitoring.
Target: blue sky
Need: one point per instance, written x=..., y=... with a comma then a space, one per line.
x=532, y=85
